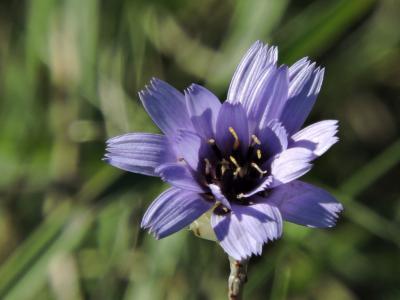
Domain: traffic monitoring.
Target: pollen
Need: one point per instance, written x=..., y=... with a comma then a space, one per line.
x=236, y=143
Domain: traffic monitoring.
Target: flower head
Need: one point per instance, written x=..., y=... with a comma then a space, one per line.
x=238, y=161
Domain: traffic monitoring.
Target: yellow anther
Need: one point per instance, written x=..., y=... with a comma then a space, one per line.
x=255, y=166
x=255, y=139
x=259, y=154
x=236, y=143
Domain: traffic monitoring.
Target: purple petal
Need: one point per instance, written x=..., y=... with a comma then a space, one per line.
x=274, y=140
x=305, y=204
x=262, y=220
x=290, y=165
x=303, y=91
x=268, y=97
x=264, y=184
x=254, y=63
x=138, y=152
x=166, y=106
x=203, y=107
x=273, y=137
x=233, y=236
x=189, y=147
x=299, y=74
x=318, y=137
x=179, y=176
x=173, y=210
x=297, y=67
x=232, y=116
x=216, y=191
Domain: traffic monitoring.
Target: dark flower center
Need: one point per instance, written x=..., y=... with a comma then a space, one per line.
x=235, y=173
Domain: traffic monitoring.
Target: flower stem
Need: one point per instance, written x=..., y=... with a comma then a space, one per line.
x=237, y=278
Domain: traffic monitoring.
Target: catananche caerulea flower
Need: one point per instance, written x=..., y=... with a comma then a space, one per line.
x=238, y=161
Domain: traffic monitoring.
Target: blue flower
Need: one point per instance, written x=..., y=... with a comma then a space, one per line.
x=238, y=161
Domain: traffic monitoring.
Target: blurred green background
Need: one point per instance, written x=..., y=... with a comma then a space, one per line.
x=69, y=76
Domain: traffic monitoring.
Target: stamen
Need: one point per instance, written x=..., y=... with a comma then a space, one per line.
x=240, y=196
x=259, y=153
x=224, y=166
x=255, y=139
x=255, y=166
x=215, y=148
x=223, y=169
x=236, y=143
x=238, y=167
x=233, y=160
x=237, y=172
x=208, y=166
